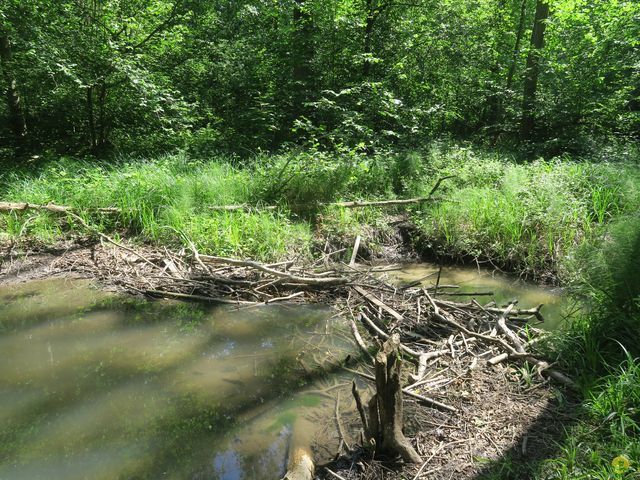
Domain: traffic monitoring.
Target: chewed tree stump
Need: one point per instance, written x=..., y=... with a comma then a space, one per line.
x=384, y=425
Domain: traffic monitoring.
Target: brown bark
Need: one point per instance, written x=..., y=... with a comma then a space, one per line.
x=388, y=403
x=102, y=128
x=527, y=126
x=14, y=103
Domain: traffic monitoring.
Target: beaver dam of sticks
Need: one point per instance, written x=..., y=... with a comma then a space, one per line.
x=436, y=364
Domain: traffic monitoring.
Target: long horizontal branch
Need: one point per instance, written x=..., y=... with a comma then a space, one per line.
x=50, y=207
x=313, y=281
x=350, y=204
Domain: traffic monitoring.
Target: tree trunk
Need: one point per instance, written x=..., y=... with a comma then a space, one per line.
x=384, y=425
x=303, y=52
x=91, y=121
x=368, y=40
x=14, y=103
x=527, y=126
x=102, y=127
x=516, y=46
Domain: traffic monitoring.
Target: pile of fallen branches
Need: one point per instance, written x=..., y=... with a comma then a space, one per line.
x=429, y=325
x=432, y=328
x=441, y=340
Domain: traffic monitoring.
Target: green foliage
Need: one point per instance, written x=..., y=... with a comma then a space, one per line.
x=161, y=200
x=145, y=76
x=305, y=180
x=530, y=218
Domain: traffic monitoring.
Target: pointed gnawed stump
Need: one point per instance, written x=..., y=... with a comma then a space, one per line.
x=384, y=426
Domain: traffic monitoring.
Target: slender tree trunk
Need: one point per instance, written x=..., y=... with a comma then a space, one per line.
x=368, y=39
x=102, y=130
x=303, y=25
x=91, y=121
x=527, y=126
x=14, y=103
x=516, y=46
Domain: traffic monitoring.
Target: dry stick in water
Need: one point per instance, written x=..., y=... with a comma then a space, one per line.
x=513, y=353
x=339, y=424
x=358, y=339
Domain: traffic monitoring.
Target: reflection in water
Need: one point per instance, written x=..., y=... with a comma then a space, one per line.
x=95, y=385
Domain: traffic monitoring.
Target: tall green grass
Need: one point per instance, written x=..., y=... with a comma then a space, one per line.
x=167, y=200
x=525, y=217
x=163, y=200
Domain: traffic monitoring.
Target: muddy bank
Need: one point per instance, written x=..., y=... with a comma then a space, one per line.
x=37, y=263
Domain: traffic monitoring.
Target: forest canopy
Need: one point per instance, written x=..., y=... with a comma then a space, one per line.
x=247, y=76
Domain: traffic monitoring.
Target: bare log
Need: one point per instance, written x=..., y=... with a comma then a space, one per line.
x=50, y=207
x=311, y=281
x=351, y=204
x=300, y=465
x=377, y=302
x=231, y=208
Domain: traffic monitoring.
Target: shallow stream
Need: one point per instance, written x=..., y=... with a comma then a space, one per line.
x=97, y=385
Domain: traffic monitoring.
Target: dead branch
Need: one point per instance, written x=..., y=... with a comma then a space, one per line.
x=426, y=400
x=312, y=281
x=377, y=302
x=50, y=207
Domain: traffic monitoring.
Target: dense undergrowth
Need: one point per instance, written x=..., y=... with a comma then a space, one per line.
x=571, y=221
x=524, y=217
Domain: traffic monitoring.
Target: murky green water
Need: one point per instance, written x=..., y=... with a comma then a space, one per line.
x=95, y=385
x=100, y=386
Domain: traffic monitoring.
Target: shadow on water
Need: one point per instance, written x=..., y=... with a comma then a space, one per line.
x=154, y=389
x=113, y=387
x=592, y=352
